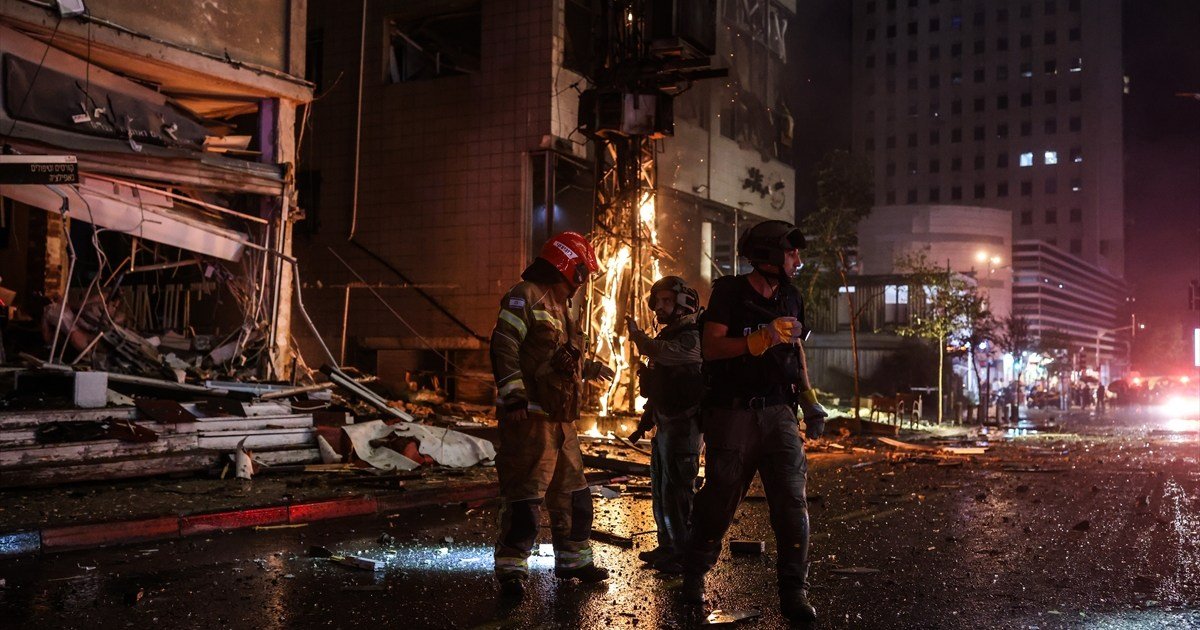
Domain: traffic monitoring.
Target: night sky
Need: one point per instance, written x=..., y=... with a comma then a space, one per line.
x=1162, y=158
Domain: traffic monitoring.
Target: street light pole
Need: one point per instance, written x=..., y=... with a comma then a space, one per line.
x=1133, y=327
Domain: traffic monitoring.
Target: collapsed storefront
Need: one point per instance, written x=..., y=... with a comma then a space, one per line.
x=168, y=255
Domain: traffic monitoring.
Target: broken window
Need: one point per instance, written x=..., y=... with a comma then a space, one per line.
x=435, y=44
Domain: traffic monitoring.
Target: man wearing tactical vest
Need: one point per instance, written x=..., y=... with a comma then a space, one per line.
x=755, y=375
x=672, y=385
x=538, y=366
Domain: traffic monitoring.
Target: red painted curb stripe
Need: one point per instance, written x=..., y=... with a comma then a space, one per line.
x=237, y=519
x=125, y=532
x=102, y=534
x=336, y=508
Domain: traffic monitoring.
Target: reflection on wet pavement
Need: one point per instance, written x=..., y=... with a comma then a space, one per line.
x=1099, y=530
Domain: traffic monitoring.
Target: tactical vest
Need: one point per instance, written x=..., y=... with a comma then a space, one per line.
x=776, y=372
x=672, y=389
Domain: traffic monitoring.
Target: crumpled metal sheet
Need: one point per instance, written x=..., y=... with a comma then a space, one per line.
x=379, y=457
x=447, y=447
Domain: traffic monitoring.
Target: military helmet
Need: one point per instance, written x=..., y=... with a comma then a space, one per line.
x=767, y=242
x=685, y=297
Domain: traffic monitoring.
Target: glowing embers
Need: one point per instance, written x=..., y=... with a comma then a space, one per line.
x=608, y=342
x=627, y=272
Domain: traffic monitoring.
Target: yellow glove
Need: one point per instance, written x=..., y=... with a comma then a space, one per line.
x=780, y=330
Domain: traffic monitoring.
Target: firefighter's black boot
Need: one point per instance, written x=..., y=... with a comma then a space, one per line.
x=512, y=587
x=588, y=573
x=793, y=603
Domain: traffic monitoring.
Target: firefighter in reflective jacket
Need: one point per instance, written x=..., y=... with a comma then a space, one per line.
x=538, y=367
x=673, y=386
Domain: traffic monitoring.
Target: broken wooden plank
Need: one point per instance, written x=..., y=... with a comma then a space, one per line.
x=610, y=538
x=289, y=457
x=246, y=425
x=616, y=465
x=122, y=468
x=75, y=452
x=228, y=440
x=905, y=445
x=28, y=419
x=163, y=411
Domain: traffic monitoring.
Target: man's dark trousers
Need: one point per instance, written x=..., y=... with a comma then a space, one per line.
x=674, y=464
x=739, y=443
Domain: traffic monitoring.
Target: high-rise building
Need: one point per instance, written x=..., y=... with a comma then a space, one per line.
x=1011, y=104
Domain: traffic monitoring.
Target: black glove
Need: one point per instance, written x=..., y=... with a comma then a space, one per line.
x=566, y=360
x=645, y=423
x=595, y=370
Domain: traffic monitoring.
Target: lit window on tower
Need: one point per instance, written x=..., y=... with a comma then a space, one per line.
x=1051, y=157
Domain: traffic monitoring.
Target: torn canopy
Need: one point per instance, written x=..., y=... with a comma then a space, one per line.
x=137, y=213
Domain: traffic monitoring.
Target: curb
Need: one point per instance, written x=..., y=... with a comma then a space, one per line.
x=92, y=535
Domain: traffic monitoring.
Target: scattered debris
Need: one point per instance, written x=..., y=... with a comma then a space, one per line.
x=747, y=547
x=365, y=588
x=605, y=492
x=243, y=465
x=905, y=445
x=406, y=445
x=133, y=597
x=358, y=562
x=267, y=528
x=318, y=551
x=610, y=538
x=721, y=617
x=617, y=465
x=854, y=570
x=965, y=450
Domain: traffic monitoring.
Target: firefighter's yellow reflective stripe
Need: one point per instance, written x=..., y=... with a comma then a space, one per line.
x=512, y=320
x=511, y=564
x=572, y=559
x=545, y=316
x=511, y=387
x=535, y=407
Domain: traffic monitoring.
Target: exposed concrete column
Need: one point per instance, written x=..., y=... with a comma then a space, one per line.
x=284, y=140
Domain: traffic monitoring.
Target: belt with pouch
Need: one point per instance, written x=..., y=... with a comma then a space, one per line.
x=756, y=402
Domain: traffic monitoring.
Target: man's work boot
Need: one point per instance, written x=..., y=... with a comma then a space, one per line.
x=512, y=587
x=692, y=589
x=588, y=573
x=793, y=603
x=654, y=555
x=669, y=564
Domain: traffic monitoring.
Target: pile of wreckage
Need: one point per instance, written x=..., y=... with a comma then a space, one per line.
x=61, y=425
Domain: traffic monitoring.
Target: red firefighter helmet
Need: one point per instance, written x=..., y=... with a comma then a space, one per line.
x=572, y=255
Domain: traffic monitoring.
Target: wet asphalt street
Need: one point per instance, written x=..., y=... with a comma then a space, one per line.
x=1099, y=529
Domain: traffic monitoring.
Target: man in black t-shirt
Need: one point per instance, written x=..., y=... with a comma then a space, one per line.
x=755, y=377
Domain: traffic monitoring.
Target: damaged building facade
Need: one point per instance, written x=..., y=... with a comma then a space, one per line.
x=445, y=147
x=167, y=255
